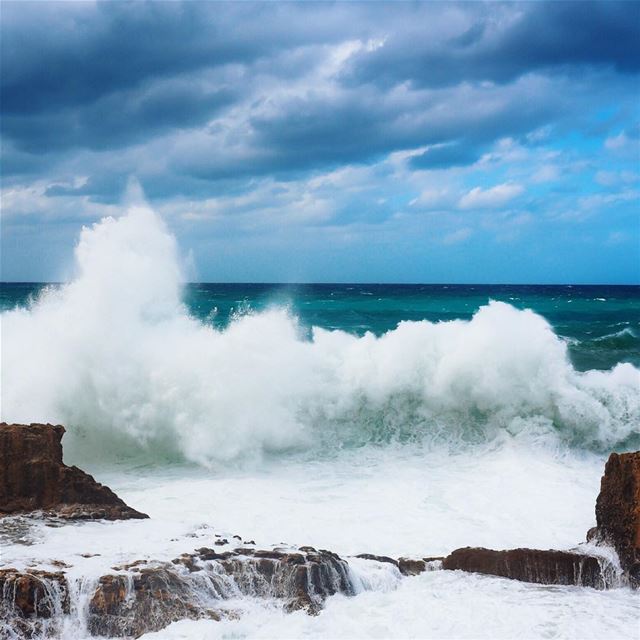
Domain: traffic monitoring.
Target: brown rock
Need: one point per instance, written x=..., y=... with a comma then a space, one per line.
x=530, y=565
x=618, y=511
x=148, y=598
x=302, y=579
x=36, y=593
x=149, y=601
x=31, y=603
x=33, y=477
x=411, y=566
x=371, y=556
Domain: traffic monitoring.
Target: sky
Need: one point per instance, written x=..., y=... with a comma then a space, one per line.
x=329, y=142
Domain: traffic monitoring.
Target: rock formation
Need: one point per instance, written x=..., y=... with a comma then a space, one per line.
x=618, y=511
x=531, y=565
x=147, y=596
x=618, y=526
x=32, y=602
x=33, y=477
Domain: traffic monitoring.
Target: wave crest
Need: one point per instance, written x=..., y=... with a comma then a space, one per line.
x=116, y=357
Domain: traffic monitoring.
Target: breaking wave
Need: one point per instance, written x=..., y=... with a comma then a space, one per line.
x=116, y=357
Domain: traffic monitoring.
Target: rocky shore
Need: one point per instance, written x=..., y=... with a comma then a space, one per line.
x=147, y=595
x=34, y=478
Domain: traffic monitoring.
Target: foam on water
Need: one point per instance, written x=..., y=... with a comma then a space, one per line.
x=115, y=356
x=437, y=605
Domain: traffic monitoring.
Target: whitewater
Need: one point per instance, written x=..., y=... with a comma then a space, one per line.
x=415, y=440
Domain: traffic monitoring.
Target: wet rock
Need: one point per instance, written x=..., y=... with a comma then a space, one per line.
x=411, y=566
x=148, y=598
x=406, y=566
x=618, y=511
x=370, y=556
x=531, y=565
x=36, y=593
x=31, y=603
x=145, y=600
x=33, y=477
x=302, y=579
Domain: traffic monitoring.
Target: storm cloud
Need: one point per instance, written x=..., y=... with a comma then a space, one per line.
x=213, y=105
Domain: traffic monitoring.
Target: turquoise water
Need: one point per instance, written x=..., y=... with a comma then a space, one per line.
x=601, y=324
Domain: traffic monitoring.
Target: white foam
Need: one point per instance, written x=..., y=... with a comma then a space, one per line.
x=439, y=604
x=115, y=356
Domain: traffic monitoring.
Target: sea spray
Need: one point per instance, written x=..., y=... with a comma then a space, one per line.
x=116, y=357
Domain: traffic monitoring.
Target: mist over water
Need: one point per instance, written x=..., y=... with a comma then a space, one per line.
x=117, y=357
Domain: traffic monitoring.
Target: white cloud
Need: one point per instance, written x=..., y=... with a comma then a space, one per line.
x=492, y=197
x=597, y=200
x=616, y=142
x=546, y=173
x=457, y=236
x=433, y=198
x=616, y=237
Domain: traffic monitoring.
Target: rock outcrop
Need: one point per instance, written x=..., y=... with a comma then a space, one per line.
x=147, y=596
x=618, y=512
x=618, y=527
x=531, y=565
x=406, y=566
x=33, y=477
x=32, y=603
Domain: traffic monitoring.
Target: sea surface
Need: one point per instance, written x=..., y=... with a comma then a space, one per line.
x=362, y=418
x=599, y=323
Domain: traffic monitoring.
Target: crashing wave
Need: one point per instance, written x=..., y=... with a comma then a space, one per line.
x=116, y=357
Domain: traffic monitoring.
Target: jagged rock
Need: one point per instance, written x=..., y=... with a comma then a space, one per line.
x=618, y=511
x=33, y=477
x=530, y=565
x=144, y=596
x=302, y=579
x=148, y=598
x=32, y=602
x=32, y=593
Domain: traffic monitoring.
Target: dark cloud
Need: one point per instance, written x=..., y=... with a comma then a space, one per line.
x=105, y=188
x=190, y=94
x=119, y=119
x=59, y=54
x=504, y=42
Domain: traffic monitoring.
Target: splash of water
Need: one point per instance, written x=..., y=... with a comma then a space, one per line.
x=116, y=357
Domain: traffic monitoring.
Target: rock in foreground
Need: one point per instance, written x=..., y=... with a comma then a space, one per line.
x=33, y=477
x=148, y=596
x=618, y=527
x=532, y=565
x=618, y=511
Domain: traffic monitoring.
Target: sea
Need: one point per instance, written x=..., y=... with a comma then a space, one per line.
x=398, y=420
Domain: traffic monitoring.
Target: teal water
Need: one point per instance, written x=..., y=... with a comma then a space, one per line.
x=601, y=324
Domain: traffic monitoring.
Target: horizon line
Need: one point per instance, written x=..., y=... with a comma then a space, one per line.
x=359, y=283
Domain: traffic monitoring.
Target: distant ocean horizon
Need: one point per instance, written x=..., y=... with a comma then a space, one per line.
x=600, y=323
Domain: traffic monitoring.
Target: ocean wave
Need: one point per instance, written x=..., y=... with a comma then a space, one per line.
x=626, y=337
x=116, y=357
